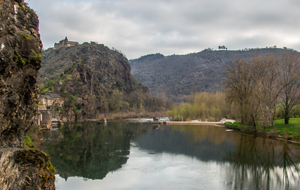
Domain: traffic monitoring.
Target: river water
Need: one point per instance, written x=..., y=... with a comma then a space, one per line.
x=135, y=156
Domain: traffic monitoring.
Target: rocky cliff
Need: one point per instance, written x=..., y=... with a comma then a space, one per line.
x=93, y=80
x=179, y=75
x=20, y=57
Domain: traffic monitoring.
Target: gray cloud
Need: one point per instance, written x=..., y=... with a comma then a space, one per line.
x=139, y=27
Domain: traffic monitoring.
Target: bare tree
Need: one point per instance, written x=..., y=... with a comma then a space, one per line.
x=258, y=85
x=266, y=75
x=239, y=87
x=289, y=82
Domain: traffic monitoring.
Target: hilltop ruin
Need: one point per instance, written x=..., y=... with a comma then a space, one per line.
x=65, y=43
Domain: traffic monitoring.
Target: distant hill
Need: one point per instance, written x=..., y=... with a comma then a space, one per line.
x=179, y=75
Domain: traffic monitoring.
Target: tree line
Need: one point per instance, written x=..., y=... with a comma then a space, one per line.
x=259, y=87
x=203, y=106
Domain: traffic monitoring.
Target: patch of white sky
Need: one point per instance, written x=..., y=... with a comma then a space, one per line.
x=139, y=27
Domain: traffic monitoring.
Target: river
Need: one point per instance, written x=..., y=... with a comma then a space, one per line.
x=123, y=155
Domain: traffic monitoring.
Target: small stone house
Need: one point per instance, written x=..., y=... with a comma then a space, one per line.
x=51, y=99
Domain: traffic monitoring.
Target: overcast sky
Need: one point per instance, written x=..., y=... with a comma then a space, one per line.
x=140, y=27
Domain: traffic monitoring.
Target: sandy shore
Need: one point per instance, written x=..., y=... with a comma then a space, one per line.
x=190, y=123
x=196, y=122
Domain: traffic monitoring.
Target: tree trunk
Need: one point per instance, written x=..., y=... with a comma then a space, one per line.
x=270, y=117
x=242, y=113
x=254, y=123
x=286, y=116
x=286, y=120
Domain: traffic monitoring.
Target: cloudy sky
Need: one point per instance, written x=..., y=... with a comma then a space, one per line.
x=140, y=27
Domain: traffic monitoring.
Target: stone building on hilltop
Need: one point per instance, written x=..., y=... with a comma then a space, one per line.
x=65, y=43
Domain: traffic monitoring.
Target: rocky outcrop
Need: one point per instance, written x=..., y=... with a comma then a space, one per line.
x=93, y=80
x=20, y=57
x=25, y=169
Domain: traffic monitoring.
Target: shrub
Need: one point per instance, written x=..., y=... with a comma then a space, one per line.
x=296, y=137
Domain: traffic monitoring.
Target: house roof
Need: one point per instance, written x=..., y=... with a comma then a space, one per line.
x=55, y=96
x=42, y=107
x=50, y=96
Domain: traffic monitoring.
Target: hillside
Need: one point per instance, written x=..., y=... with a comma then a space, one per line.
x=92, y=79
x=179, y=75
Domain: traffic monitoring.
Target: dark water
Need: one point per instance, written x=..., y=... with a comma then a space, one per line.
x=141, y=156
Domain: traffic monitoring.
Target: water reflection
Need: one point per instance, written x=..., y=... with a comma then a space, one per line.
x=260, y=163
x=92, y=150
x=194, y=141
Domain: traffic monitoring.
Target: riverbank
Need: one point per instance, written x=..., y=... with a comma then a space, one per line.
x=128, y=115
x=197, y=122
x=279, y=131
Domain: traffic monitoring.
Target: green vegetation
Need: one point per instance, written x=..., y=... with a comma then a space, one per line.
x=28, y=142
x=48, y=87
x=25, y=36
x=36, y=57
x=289, y=131
x=202, y=106
x=115, y=102
x=19, y=59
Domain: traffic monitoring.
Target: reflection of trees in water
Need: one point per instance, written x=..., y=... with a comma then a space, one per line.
x=192, y=141
x=262, y=164
x=91, y=150
x=290, y=169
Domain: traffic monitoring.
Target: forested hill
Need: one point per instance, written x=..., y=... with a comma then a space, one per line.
x=179, y=75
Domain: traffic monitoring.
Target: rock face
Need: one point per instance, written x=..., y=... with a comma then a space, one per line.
x=110, y=67
x=20, y=57
x=93, y=80
x=25, y=169
x=20, y=61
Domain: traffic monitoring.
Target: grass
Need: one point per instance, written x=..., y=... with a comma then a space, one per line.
x=289, y=131
x=25, y=36
x=28, y=142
